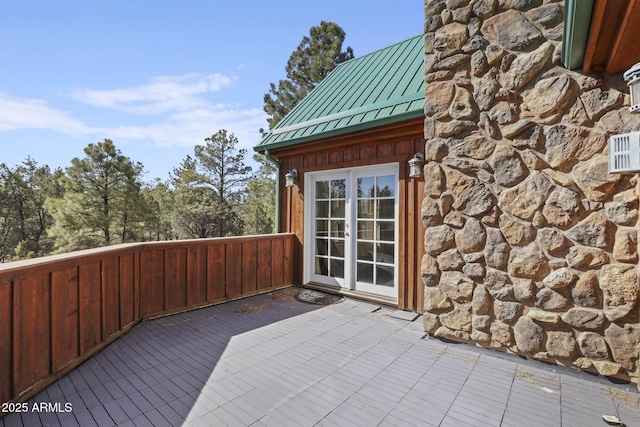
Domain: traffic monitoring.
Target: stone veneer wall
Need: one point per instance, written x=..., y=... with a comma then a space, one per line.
x=531, y=245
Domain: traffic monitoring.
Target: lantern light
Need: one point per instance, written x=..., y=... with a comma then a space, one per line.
x=415, y=165
x=291, y=177
x=632, y=77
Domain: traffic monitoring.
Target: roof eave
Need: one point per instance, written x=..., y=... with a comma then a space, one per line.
x=414, y=114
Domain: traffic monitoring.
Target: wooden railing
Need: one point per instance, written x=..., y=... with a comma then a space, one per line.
x=57, y=311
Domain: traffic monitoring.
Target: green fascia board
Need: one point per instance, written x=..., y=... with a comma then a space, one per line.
x=577, y=19
x=384, y=86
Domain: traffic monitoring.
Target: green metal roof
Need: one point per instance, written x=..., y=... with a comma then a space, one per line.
x=383, y=87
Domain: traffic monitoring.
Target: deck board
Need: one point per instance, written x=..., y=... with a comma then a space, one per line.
x=272, y=360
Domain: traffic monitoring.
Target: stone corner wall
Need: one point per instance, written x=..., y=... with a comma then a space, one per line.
x=531, y=245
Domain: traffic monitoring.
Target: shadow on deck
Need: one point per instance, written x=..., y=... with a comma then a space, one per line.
x=273, y=360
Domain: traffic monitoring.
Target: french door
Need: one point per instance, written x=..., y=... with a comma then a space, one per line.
x=351, y=230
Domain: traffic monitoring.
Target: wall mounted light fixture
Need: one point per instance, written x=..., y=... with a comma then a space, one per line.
x=632, y=77
x=624, y=149
x=291, y=177
x=415, y=165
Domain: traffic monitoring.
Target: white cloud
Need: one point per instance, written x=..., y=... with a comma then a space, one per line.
x=25, y=113
x=162, y=94
x=191, y=127
x=177, y=108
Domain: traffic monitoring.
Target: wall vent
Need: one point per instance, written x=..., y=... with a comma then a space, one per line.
x=624, y=153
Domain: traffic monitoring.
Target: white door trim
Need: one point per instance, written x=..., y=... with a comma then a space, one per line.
x=349, y=282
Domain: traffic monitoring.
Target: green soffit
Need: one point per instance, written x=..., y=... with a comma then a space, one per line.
x=577, y=18
x=386, y=86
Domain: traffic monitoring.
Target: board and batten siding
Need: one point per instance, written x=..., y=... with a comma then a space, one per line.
x=386, y=144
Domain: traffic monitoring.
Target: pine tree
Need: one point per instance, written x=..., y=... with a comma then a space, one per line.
x=209, y=189
x=102, y=202
x=315, y=57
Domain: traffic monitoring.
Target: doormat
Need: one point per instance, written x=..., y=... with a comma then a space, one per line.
x=319, y=298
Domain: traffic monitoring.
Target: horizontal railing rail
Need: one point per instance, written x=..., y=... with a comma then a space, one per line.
x=57, y=311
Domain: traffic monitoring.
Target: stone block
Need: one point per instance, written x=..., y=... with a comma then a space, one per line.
x=526, y=66
x=566, y=145
x=594, y=179
x=512, y=31
x=560, y=344
x=586, y=258
x=529, y=336
x=472, y=237
x=481, y=302
x=456, y=286
x=552, y=241
x=528, y=197
x=435, y=300
x=458, y=319
x=543, y=316
x=516, y=232
x=623, y=342
x=480, y=321
x=548, y=299
x=501, y=333
x=597, y=102
x=592, y=345
x=528, y=262
x=507, y=166
x=620, y=287
x=623, y=210
x=497, y=251
x=438, y=239
x=584, y=318
x=625, y=247
x=450, y=260
x=595, y=231
x=498, y=283
x=507, y=311
x=563, y=208
x=586, y=292
x=560, y=278
x=549, y=99
x=429, y=270
x=430, y=212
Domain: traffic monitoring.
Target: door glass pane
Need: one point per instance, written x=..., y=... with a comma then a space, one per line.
x=322, y=209
x=365, y=230
x=337, y=209
x=365, y=272
x=321, y=246
x=337, y=248
x=386, y=208
x=338, y=188
x=384, y=275
x=365, y=187
x=337, y=228
x=322, y=189
x=386, y=186
x=337, y=268
x=322, y=228
x=384, y=231
x=365, y=251
x=385, y=252
x=365, y=208
x=322, y=268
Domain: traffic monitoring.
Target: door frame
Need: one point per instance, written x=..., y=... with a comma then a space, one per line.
x=350, y=242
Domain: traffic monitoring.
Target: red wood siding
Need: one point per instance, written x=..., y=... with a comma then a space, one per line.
x=55, y=312
x=390, y=144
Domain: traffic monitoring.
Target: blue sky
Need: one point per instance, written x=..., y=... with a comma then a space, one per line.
x=157, y=77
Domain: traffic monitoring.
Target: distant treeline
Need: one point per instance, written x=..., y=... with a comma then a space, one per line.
x=101, y=199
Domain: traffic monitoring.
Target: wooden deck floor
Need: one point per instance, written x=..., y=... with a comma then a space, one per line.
x=271, y=360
